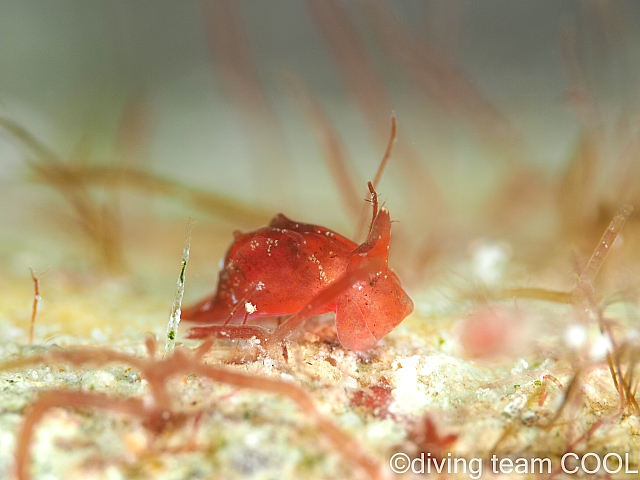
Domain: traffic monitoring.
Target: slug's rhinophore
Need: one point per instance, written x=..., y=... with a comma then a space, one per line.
x=277, y=269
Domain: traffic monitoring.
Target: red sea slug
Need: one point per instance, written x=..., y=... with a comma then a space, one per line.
x=277, y=269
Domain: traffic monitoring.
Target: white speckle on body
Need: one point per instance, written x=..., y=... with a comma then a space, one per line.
x=323, y=275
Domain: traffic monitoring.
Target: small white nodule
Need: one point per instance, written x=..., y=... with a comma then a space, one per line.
x=250, y=308
x=576, y=336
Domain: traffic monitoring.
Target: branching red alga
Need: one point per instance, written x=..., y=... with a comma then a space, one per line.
x=161, y=412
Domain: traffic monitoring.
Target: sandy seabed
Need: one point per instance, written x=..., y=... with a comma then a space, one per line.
x=550, y=395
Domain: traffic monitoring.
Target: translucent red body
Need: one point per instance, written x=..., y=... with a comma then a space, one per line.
x=278, y=269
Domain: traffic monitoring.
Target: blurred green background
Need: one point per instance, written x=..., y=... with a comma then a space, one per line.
x=220, y=96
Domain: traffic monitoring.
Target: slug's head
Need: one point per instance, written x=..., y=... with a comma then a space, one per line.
x=375, y=306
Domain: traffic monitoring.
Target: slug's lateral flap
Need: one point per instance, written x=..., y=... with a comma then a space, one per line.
x=352, y=326
x=371, y=309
